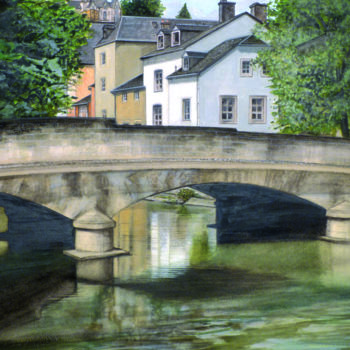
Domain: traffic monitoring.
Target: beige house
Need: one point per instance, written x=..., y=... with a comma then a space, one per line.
x=130, y=101
x=117, y=58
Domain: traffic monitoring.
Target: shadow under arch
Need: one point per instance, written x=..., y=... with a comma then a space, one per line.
x=246, y=212
x=33, y=227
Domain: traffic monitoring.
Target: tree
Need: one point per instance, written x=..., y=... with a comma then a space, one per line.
x=147, y=8
x=309, y=64
x=184, y=13
x=39, y=42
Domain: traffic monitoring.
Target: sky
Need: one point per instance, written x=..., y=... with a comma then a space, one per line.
x=202, y=9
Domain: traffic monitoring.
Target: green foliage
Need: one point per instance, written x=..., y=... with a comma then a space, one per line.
x=39, y=56
x=184, y=13
x=311, y=81
x=185, y=194
x=146, y=8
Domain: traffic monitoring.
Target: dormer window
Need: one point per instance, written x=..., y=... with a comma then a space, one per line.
x=175, y=37
x=186, y=63
x=160, y=41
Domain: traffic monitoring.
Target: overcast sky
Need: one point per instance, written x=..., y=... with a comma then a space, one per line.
x=203, y=9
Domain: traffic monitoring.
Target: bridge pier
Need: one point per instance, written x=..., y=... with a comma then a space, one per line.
x=338, y=223
x=94, y=246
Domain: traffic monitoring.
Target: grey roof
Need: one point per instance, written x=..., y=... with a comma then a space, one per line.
x=312, y=43
x=193, y=40
x=84, y=101
x=145, y=29
x=133, y=84
x=87, y=55
x=217, y=53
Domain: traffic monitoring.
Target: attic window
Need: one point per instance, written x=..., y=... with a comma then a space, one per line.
x=160, y=41
x=186, y=63
x=175, y=38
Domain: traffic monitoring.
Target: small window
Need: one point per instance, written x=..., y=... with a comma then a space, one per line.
x=136, y=95
x=104, y=15
x=228, y=108
x=160, y=41
x=246, y=67
x=186, y=63
x=157, y=115
x=175, y=38
x=103, y=58
x=264, y=70
x=124, y=97
x=158, y=80
x=257, y=109
x=104, y=113
x=103, y=84
x=186, y=109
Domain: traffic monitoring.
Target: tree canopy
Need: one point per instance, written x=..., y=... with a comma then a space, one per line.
x=146, y=8
x=39, y=42
x=309, y=64
x=184, y=13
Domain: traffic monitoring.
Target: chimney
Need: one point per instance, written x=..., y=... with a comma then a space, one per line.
x=226, y=10
x=259, y=11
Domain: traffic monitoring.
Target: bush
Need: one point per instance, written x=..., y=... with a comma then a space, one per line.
x=185, y=194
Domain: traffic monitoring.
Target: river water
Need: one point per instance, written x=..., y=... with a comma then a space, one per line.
x=180, y=290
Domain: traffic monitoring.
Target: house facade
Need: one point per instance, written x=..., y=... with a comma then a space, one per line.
x=130, y=100
x=209, y=80
x=98, y=10
x=82, y=87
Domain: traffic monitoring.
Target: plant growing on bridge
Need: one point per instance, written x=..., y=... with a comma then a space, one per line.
x=39, y=42
x=185, y=194
x=309, y=64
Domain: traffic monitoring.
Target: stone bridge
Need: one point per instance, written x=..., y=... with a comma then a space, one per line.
x=90, y=169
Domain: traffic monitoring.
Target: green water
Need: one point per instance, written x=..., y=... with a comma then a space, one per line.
x=179, y=290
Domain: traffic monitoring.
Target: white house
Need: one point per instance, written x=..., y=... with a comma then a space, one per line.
x=209, y=80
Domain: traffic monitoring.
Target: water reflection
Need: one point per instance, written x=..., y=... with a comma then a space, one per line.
x=179, y=290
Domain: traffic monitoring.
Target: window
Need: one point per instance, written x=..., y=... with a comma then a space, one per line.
x=175, y=38
x=160, y=41
x=257, y=109
x=103, y=58
x=158, y=80
x=246, y=68
x=124, y=97
x=186, y=63
x=103, y=84
x=186, y=109
x=264, y=70
x=157, y=115
x=83, y=111
x=228, y=109
x=104, y=15
x=104, y=113
x=136, y=95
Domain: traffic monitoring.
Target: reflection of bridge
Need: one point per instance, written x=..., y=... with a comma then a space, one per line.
x=89, y=170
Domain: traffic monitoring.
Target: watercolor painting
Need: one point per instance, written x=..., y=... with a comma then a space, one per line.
x=174, y=175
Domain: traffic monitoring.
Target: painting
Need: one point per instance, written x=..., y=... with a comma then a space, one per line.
x=162, y=202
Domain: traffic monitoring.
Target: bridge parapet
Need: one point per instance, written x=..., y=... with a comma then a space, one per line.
x=69, y=141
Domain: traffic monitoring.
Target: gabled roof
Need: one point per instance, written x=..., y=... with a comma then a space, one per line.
x=216, y=54
x=133, y=84
x=87, y=55
x=145, y=29
x=198, y=37
x=84, y=101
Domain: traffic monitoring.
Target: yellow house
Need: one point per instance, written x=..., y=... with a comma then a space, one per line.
x=130, y=102
x=117, y=58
